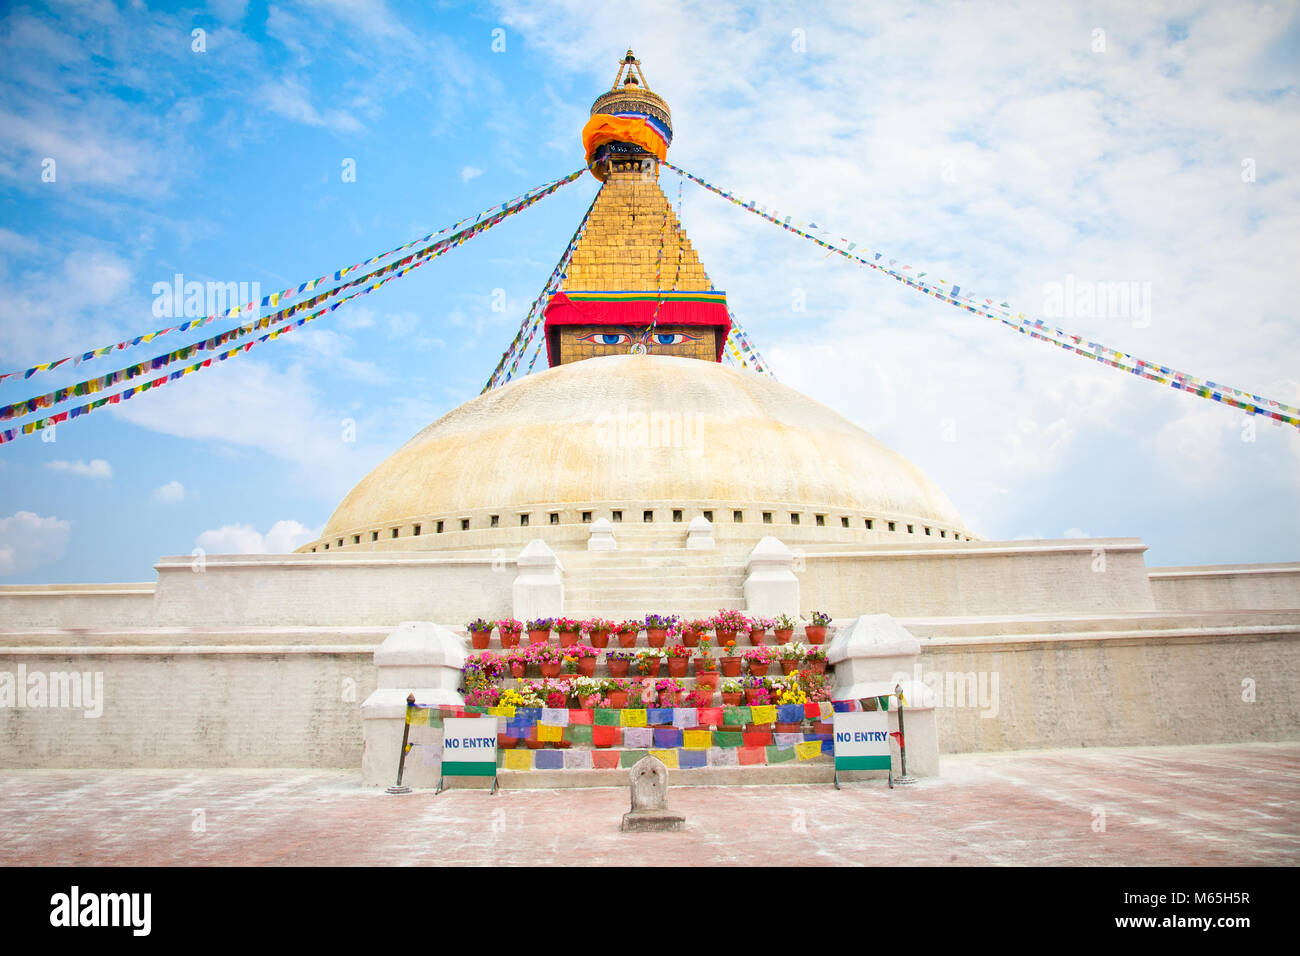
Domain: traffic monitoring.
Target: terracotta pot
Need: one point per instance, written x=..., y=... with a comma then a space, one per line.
x=535, y=744
x=825, y=727
x=752, y=694
x=730, y=728
x=691, y=638
x=518, y=669
x=563, y=744
x=677, y=666
x=815, y=634
x=706, y=679
x=480, y=639
x=783, y=637
x=538, y=637
x=510, y=639
x=568, y=638
x=653, y=671
x=789, y=728
x=587, y=666
x=627, y=638
x=600, y=638
x=789, y=666
x=732, y=700
x=550, y=670
x=757, y=728
x=617, y=668
x=590, y=701
x=701, y=698
x=757, y=637
x=730, y=666
x=506, y=742
x=656, y=636
x=724, y=636
x=618, y=698
x=670, y=700
x=816, y=665
x=757, y=669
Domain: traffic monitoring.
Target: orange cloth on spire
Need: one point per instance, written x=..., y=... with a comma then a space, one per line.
x=604, y=128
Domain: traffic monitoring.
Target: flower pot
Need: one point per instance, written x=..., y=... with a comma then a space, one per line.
x=518, y=669
x=551, y=669
x=724, y=636
x=656, y=636
x=789, y=728
x=759, y=669
x=817, y=665
x=538, y=637
x=789, y=666
x=590, y=701
x=757, y=636
x=732, y=700
x=706, y=680
x=757, y=728
x=480, y=639
x=617, y=668
x=783, y=636
x=701, y=698
x=670, y=699
x=506, y=742
x=815, y=634
x=563, y=744
x=730, y=666
x=752, y=694
x=600, y=638
x=824, y=727
x=509, y=639
x=677, y=666
x=587, y=666
x=651, y=671
x=618, y=698
x=568, y=638
x=627, y=638
x=535, y=744
x=691, y=638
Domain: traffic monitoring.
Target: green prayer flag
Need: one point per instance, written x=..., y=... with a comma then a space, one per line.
x=735, y=716
x=435, y=719
x=728, y=738
x=578, y=733
x=476, y=709
x=606, y=717
x=780, y=754
x=629, y=758
x=882, y=703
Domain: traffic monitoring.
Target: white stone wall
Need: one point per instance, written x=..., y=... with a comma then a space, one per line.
x=1250, y=587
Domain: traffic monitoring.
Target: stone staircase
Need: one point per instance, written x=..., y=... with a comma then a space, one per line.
x=619, y=585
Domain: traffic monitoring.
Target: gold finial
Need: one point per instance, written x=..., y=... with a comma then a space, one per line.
x=625, y=75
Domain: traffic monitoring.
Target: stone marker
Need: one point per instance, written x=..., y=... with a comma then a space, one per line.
x=649, y=779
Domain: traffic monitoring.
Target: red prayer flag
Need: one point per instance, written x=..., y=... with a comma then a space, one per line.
x=752, y=755
x=758, y=738
x=812, y=710
x=710, y=716
x=605, y=736
x=580, y=717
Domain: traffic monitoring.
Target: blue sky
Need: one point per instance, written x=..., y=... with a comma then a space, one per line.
x=1009, y=147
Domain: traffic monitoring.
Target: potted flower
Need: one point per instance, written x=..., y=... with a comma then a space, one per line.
x=588, y=690
x=792, y=655
x=616, y=692
x=759, y=659
x=648, y=661
x=584, y=659
x=758, y=629
x=695, y=631
x=485, y=696
x=514, y=699
x=548, y=658
x=516, y=660
x=706, y=667
x=728, y=623
x=815, y=659
x=816, y=631
x=783, y=628
x=480, y=632
x=791, y=695
x=510, y=629
x=539, y=631
x=700, y=697
x=756, y=692
x=618, y=662
x=668, y=692
x=627, y=632
x=599, y=630
x=730, y=659
x=656, y=628
x=679, y=659
x=732, y=692
x=568, y=629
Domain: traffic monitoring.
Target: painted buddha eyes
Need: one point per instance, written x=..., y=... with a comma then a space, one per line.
x=606, y=338
x=623, y=338
x=673, y=338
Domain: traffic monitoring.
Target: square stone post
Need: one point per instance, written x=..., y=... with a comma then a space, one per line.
x=539, y=589
x=770, y=585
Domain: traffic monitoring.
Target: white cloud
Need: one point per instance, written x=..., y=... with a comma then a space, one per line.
x=95, y=468
x=28, y=541
x=283, y=538
x=469, y=172
x=170, y=493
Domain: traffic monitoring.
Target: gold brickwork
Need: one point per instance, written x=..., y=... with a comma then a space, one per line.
x=573, y=349
x=620, y=249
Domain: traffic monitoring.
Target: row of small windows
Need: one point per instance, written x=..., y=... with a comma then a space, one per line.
x=738, y=517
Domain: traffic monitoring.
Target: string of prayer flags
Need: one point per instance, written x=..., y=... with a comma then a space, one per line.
x=1250, y=402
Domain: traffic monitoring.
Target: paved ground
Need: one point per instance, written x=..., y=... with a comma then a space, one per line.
x=1221, y=805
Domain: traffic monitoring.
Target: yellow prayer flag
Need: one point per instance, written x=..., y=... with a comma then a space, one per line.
x=764, y=714
x=416, y=716
x=519, y=759
x=697, y=739
x=502, y=710
x=668, y=757
x=809, y=749
x=549, y=734
x=632, y=717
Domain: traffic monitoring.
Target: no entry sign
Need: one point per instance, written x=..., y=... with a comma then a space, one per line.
x=862, y=741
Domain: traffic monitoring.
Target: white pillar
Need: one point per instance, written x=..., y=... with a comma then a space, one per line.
x=699, y=534
x=770, y=585
x=602, y=536
x=873, y=655
x=538, y=590
x=416, y=658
